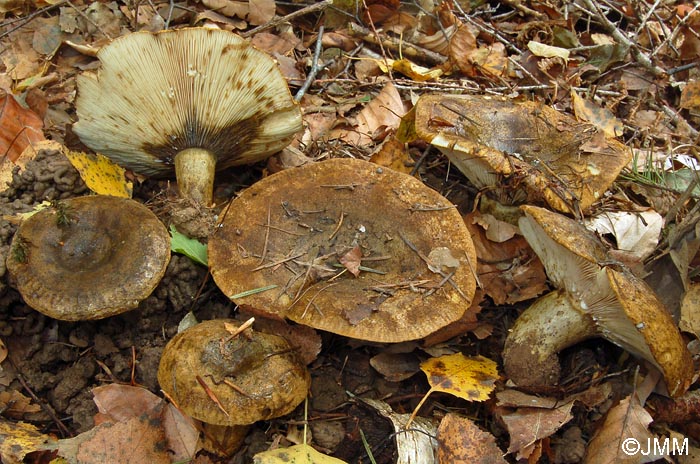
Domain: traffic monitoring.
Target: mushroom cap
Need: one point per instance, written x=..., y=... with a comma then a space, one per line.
x=317, y=213
x=158, y=94
x=650, y=318
x=624, y=309
x=89, y=257
x=254, y=376
x=505, y=145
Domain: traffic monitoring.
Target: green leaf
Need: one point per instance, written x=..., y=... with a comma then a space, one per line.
x=193, y=249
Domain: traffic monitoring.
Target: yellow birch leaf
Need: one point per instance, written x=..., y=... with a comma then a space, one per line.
x=298, y=454
x=17, y=439
x=470, y=378
x=101, y=174
x=415, y=72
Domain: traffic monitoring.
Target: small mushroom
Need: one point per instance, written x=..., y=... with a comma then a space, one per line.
x=222, y=377
x=192, y=100
x=89, y=257
x=348, y=247
x=522, y=151
x=595, y=298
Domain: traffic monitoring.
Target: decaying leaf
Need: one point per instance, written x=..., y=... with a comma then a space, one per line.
x=472, y=379
x=381, y=114
x=393, y=154
x=14, y=404
x=19, y=127
x=461, y=441
x=415, y=440
x=297, y=454
x=17, y=439
x=690, y=310
x=102, y=175
x=602, y=118
x=508, y=271
x=626, y=424
x=636, y=233
x=351, y=260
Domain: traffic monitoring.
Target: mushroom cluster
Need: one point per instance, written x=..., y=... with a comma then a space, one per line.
x=192, y=101
x=88, y=257
x=595, y=297
x=346, y=246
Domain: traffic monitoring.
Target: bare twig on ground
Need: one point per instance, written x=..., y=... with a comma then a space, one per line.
x=399, y=46
x=283, y=19
x=315, y=68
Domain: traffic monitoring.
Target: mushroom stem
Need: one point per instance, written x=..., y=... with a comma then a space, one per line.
x=549, y=325
x=194, y=170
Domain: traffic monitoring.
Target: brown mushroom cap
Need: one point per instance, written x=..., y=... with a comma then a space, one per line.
x=276, y=229
x=89, y=257
x=253, y=375
x=522, y=150
x=205, y=92
x=596, y=299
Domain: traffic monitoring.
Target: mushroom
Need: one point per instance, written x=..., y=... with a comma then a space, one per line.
x=192, y=100
x=222, y=375
x=522, y=151
x=88, y=257
x=348, y=247
x=595, y=298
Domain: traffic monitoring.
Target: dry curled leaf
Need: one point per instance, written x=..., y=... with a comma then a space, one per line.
x=461, y=441
x=19, y=128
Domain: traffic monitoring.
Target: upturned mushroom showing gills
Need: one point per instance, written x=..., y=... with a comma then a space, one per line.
x=220, y=376
x=595, y=298
x=191, y=101
x=89, y=257
x=522, y=151
x=348, y=247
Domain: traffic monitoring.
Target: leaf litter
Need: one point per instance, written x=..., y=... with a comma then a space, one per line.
x=633, y=80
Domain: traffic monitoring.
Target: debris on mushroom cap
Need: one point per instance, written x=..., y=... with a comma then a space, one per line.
x=226, y=379
x=205, y=94
x=595, y=300
x=89, y=257
x=506, y=145
x=291, y=229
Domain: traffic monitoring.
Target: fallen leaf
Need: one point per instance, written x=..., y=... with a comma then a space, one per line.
x=101, y=175
x=261, y=11
x=14, y=404
x=17, y=439
x=461, y=441
x=19, y=128
x=415, y=437
x=626, y=425
x=469, y=378
x=135, y=440
x=351, y=260
x=393, y=154
x=690, y=95
x=297, y=454
x=547, y=51
x=602, y=118
x=509, y=271
x=440, y=259
x=636, y=233
x=381, y=114
x=395, y=367
x=690, y=310
x=414, y=71
x=528, y=425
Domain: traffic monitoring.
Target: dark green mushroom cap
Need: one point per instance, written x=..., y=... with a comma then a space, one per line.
x=89, y=257
x=253, y=375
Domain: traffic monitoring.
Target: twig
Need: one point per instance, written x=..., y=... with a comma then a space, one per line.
x=282, y=19
x=89, y=20
x=619, y=37
x=24, y=21
x=314, y=66
x=407, y=49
